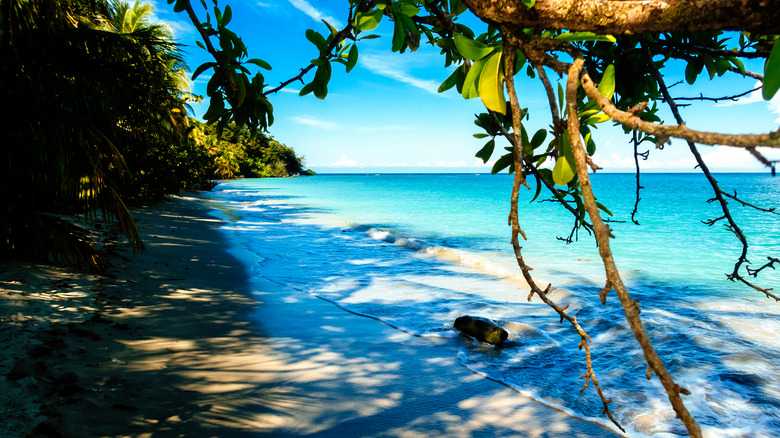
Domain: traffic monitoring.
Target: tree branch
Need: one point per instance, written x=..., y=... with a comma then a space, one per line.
x=719, y=193
x=665, y=132
x=603, y=234
x=633, y=17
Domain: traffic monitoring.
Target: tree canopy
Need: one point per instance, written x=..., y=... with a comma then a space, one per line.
x=612, y=57
x=98, y=93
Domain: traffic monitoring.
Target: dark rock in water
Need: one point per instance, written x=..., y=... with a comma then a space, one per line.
x=483, y=330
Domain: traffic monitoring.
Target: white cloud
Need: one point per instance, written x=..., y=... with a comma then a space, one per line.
x=182, y=29
x=461, y=163
x=306, y=7
x=716, y=158
x=385, y=66
x=346, y=162
x=754, y=97
x=315, y=123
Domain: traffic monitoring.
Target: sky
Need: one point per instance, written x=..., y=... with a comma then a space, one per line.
x=386, y=115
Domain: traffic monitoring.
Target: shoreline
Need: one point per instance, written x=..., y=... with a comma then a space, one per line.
x=183, y=342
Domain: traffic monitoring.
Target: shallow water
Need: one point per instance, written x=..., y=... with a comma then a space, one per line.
x=417, y=251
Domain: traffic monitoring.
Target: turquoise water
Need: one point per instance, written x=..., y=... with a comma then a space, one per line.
x=416, y=251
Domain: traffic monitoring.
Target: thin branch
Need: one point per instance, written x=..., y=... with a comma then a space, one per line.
x=325, y=55
x=747, y=204
x=770, y=264
x=747, y=73
x=590, y=375
x=636, y=141
x=519, y=159
x=719, y=193
x=665, y=132
x=517, y=146
x=603, y=235
x=718, y=99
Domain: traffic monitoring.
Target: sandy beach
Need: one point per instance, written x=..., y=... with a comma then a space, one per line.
x=177, y=343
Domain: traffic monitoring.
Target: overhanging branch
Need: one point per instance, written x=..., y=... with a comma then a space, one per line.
x=632, y=17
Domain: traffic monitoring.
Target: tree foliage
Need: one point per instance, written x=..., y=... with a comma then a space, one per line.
x=236, y=152
x=612, y=56
x=97, y=118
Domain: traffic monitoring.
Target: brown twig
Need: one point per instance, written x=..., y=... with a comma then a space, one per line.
x=603, y=235
x=665, y=132
x=719, y=193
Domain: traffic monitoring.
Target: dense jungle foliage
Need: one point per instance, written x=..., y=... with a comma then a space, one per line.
x=97, y=119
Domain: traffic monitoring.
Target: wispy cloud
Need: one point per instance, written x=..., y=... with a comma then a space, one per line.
x=719, y=157
x=390, y=67
x=182, y=30
x=345, y=161
x=306, y=7
x=754, y=97
x=315, y=123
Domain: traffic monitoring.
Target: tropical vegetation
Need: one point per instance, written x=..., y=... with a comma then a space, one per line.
x=96, y=95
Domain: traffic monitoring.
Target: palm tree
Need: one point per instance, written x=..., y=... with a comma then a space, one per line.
x=79, y=89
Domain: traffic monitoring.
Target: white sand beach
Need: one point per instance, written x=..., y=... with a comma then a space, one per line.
x=177, y=343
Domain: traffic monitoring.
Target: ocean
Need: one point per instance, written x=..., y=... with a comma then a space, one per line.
x=418, y=250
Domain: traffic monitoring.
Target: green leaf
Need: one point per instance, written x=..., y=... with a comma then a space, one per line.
x=308, y=88
x=180, y=5
x=200, y=44
x=321, y=79
x=218, y=16
x=399, y=36
x=333, y=30
x=216, y=108
x=772, y=73
x=737, y=63
x=564, y=169
x=502, y=163
x=598, y=118
x=470, y=49
x=491, y=84
x=352, y=58
x=368, y=37
x=563, y=172
x=480, y=135
x=560, y=98
x=202, y=68
x=470, y=83
x=603, y=208
x=457, y=7
x=409, y=10
x=260, y=63
x=450, y=81
x=486, y=151
x=538, y=188
x=226, y=16
x=607, y=84
x=519, y=60
x=368, y=20
x=584, y=36
x=317, y=39
x=538, y=138
x=693, y=69
x=529, y=3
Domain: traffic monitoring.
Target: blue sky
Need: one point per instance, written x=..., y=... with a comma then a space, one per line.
x=386, y=116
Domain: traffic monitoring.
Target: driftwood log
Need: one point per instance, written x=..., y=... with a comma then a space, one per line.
x=481, y=329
